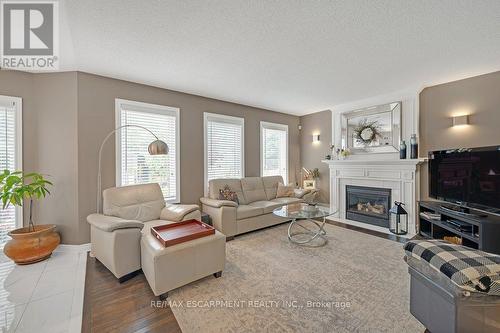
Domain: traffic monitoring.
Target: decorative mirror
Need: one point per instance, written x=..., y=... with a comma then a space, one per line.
x=375, y=129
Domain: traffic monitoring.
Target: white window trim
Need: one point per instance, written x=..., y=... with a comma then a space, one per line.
x=18, y=102
x=231, y=119
x=151, y=108
x=282, y=127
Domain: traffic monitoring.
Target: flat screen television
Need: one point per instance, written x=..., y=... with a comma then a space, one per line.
x=469, y=177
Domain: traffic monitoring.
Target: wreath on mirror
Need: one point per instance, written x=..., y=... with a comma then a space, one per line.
x=367, y=131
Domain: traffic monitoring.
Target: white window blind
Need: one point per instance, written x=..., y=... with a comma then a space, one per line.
x=134, y=164
x=274, y=150
x=10, y=158
x=224, y=152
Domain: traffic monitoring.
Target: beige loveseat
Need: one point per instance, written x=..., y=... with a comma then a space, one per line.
x=257, y=200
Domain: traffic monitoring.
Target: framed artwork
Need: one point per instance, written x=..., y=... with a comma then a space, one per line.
x=376, y=129
x=309, y=184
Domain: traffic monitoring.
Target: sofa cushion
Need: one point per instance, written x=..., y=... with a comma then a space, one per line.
x=285, y=191
x=271, y=185
x=215, y=185
x=267, y=206
x=286, y=201
x=253, y=189
x=246, y=211
x=228, y=194
x=136, y=202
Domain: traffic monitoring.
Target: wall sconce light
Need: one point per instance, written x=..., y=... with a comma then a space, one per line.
x=315, y=138
x=460, y=120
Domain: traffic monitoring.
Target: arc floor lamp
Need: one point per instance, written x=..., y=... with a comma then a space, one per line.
x=157, y=147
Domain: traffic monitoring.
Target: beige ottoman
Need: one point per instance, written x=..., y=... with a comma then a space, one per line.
x=167, y=268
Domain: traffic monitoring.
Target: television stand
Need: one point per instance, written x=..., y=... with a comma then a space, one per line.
x=437, y=220
x=461, y=210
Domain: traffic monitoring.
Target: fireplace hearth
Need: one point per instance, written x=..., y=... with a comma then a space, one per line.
x=368, y=205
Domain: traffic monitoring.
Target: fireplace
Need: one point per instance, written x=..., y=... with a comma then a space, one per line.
x=368, y=204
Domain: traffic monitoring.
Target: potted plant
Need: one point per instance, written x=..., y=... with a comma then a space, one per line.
x=35, y=242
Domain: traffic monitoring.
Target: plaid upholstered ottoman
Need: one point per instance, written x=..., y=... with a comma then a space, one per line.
x=453, y=288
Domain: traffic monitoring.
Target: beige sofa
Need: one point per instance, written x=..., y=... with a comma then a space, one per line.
x=116, y=234
x=257, y=200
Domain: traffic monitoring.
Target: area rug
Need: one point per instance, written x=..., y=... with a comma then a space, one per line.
x=355, y=283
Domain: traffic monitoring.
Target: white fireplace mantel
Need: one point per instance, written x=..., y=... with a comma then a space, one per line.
x=401, y=176
x=398, y=163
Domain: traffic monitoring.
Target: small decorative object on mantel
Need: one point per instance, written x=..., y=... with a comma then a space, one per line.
x=399, y=219
x=413, y=146
x=332, y=149
x=344, y=153
x=402, y=150
x=32, y=243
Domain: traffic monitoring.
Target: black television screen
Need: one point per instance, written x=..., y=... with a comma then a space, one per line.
x=468, y=176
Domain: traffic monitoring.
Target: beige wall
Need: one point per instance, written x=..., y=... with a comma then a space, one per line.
x=56, y=143
x=66, y=116
x=311, y=153
x=477, y=96
x=50, y=142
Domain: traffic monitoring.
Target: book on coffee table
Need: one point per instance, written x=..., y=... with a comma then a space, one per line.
x=180, y=232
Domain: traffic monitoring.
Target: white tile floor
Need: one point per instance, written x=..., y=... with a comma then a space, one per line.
x=46, y=296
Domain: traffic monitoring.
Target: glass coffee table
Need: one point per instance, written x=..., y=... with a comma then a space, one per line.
x=302, y=218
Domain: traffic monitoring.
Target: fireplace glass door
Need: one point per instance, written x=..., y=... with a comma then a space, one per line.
x=368, y=204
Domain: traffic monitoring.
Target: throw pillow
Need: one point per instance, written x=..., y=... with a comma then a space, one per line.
x=284, y=191
x=227, y=194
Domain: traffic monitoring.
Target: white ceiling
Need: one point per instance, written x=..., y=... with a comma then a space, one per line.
x=295, y=57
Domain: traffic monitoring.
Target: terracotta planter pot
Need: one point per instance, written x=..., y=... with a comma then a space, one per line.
x=28, y=247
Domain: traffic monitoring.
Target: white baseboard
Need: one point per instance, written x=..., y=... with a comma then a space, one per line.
x=73, y=248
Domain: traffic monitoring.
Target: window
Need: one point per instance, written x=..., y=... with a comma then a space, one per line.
x=224, y=153
x=10, y=157
x=134, y=165
x=274, y=150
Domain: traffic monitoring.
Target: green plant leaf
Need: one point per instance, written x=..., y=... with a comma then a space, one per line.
x=16, y=186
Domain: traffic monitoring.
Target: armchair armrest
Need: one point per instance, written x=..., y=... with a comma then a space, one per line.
x=218, y=203
x=111, y=223
x=299, y=193
x=177, y=213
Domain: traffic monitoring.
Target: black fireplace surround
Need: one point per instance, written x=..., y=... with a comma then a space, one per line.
x=368, y=204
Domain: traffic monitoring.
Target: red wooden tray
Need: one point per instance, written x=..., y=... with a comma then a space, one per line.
x=180, y=232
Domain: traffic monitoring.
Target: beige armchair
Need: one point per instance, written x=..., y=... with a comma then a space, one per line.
x=115, y=235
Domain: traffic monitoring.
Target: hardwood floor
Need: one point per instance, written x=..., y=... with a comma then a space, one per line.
x=113, y=307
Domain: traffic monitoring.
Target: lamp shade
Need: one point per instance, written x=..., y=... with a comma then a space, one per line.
x=158, y=147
